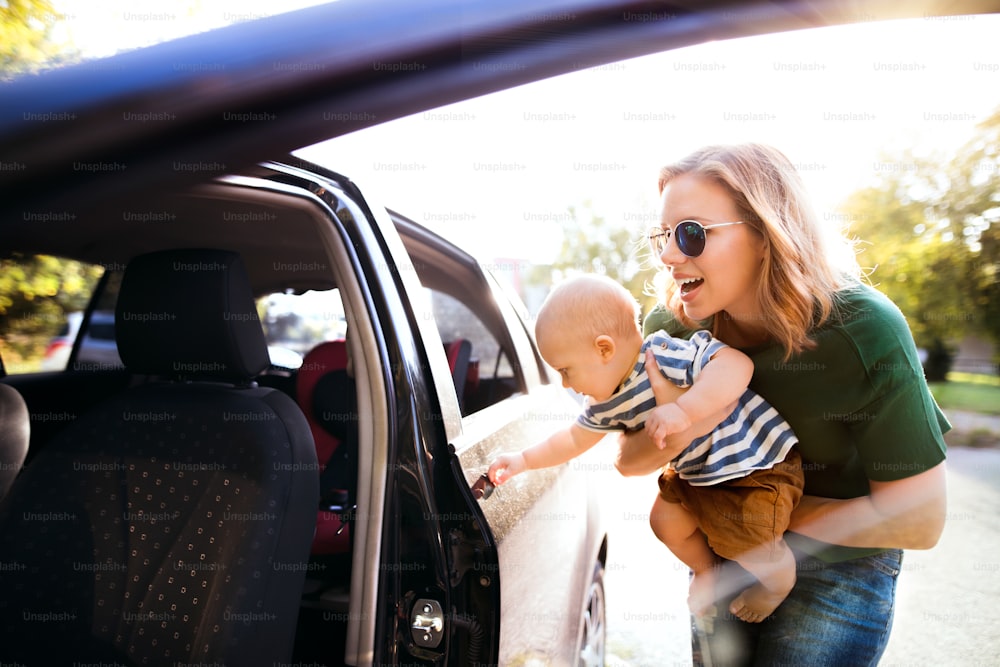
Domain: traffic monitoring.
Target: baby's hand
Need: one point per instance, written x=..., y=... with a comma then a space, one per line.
x=665, y=420
x=506, y=466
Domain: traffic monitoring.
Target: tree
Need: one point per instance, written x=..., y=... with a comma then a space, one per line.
x=26, y=41
x=36, y=293
x=593, y=245
x=929, y=234
x=973, y=207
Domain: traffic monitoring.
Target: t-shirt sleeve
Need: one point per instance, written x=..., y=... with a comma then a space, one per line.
x=899, y=435
x=898, y=428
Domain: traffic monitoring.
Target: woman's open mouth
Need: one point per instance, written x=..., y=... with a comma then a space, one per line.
x=687, y=285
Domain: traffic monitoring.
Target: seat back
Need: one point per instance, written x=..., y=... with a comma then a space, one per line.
x=14, y=435
x=171, y=523
x=459, y=353
x=327, y=357
x=325, y=394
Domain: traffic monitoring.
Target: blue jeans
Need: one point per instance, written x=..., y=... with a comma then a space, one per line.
x=838, y=615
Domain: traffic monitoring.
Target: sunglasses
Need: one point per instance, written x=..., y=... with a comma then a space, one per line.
x=690, y=235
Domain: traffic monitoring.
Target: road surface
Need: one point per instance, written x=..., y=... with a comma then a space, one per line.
x=948, y=600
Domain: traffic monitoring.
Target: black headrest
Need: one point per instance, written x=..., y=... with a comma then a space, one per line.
x=189, y=313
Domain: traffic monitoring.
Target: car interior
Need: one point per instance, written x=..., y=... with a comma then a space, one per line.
x=181, y=337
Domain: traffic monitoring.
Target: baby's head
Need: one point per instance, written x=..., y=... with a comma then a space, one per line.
x=588, y=330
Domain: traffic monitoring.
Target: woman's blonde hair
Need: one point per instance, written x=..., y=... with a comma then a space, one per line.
x=800, y=274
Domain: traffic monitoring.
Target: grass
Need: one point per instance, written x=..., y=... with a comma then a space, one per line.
x=968, y=391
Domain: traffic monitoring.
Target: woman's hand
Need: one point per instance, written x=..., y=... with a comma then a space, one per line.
x=637, y=454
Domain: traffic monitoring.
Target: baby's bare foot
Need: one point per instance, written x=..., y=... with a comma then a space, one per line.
x=756, y=603
x=775, y=581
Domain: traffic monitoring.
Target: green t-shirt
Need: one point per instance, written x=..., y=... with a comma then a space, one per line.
x=857, y=401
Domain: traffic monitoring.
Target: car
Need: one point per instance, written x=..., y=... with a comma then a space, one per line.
x=97, y=344
x=306, y=235
x=151, y=526
x=98, y=347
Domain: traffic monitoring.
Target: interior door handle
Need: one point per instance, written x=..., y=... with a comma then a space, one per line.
x=483, y=488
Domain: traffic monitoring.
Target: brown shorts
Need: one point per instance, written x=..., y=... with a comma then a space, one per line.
x=744, y=518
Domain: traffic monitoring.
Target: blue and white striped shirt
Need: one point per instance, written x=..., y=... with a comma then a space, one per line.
x=753, y=437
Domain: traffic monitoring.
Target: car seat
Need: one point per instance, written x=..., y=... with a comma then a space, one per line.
x=326, y=395
x=459, y=353
x=14, y=434
x=171, y=523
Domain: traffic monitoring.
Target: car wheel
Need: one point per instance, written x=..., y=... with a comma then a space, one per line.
x=592, y=625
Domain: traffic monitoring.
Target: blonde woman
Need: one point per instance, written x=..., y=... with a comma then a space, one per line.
x=746, y=258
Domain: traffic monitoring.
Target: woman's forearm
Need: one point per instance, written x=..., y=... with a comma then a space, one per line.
x=902, y=514
x=637, y=455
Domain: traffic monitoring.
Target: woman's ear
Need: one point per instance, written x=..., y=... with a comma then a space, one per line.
x=605, y=346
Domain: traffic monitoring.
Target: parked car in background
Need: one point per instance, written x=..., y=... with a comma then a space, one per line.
x=204, y=504
x=97, y=343
x=98, y=349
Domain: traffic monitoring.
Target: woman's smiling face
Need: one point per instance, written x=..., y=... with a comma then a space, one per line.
x=724, y=276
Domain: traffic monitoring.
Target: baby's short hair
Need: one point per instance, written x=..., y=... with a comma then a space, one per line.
x=589, y=305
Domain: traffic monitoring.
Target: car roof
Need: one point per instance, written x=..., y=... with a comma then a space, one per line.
x=258, y=90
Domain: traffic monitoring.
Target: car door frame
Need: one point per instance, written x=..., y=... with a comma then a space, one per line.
x=410, y=474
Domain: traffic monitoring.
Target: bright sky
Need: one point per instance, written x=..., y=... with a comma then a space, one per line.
x=498, y=173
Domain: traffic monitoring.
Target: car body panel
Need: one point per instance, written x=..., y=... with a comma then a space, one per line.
x=77, y=125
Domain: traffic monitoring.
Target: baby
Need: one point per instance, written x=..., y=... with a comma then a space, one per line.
x=730, y=492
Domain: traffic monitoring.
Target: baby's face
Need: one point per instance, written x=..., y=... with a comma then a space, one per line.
x=582, y=366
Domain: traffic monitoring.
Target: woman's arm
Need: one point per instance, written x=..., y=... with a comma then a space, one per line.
x=637, y=455
x=903, y=514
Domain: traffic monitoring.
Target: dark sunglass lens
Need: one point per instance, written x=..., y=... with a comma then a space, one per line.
x=690, y=238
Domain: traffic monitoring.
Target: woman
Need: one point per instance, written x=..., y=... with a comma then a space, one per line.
x=746, y=258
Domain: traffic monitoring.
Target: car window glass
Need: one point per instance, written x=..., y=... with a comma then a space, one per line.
x=98, y=347
x=42, y=301
x=456, y=320
x=295, y=323
x=490, y=376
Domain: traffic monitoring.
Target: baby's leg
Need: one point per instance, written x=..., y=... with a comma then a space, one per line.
x=774, y=582
x=678, y=529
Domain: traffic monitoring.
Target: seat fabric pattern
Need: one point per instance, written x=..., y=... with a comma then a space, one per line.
x=169, y=525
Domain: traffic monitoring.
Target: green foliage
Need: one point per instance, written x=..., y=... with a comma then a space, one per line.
x=36, y=292
x=26, y=36
x=591, y=244
x=964, y=394
x=930, y=236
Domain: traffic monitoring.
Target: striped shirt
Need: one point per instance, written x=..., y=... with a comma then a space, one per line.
x=753, y=437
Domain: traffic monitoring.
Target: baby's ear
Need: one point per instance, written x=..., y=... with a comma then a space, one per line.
x=605, y=346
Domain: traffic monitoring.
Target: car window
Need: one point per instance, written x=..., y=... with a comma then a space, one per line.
x=456, y=320
x=42, y=302
x=464, y=309
x=295, y=323
x=487, y=374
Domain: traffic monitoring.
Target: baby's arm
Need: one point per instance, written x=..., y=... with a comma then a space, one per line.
x=558, y=448
x=721, y=382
